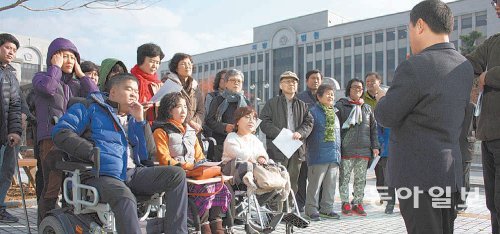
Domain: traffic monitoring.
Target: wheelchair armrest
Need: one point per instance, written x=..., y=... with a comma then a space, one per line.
x=72, y=166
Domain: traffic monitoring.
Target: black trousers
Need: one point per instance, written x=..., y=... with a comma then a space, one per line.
x=424, y=218
x=386, y=193
x=491, y=174
x=146, y=181
x=302, y=183
x=466, y=188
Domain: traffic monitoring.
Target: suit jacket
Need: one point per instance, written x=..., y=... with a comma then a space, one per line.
x=425, y=109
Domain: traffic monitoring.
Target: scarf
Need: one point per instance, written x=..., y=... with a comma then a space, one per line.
x=229, y=97
x=145, y=92
x=356, y=115
x=330, y=123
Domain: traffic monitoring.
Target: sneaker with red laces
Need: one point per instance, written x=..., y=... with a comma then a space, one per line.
x=359, y=209
x=346, y=209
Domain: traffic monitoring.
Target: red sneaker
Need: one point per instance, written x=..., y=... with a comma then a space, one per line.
x=346, y=209
x=359, y=209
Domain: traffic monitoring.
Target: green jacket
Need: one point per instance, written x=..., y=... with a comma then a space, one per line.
x=105, y=69
x=369, y=100
x=486, y=57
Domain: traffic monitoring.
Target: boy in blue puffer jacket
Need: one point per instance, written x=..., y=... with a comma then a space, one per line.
x=386, y=193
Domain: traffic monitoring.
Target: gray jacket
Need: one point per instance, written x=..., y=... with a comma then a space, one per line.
x=487, y=58
x=11, y=103
x=425, y=109
x=274, y=118
x=362, y=138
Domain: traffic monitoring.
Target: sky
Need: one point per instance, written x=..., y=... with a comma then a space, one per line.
x=189, y=26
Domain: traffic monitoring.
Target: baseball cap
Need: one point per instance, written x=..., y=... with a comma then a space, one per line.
x=289, y=74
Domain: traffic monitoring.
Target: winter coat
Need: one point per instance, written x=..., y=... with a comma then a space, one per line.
x=54, y=88
x=105, y=69
x=99, y=120
x=11, y=103
x=274, y=119
x=361, y=139
x=194, y=100
x=319, y=151
x=219, y=127
x=307, y=97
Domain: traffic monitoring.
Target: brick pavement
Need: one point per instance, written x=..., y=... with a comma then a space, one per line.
x=474, y=220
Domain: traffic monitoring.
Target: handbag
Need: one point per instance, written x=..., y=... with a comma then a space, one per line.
x=268, y=177
x=204, y=172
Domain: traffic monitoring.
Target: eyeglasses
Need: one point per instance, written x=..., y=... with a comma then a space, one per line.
x=235, y=81
x=289, y=82
x=186, y=64
x=357, y=87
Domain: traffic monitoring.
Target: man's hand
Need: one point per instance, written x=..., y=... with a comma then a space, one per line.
x=78, y=70
x=57, y=59
x=195, y=126
x=481, y=81
x=136, y=110
x=14, y=139
x=379, y=95
x=376, y=152
x=155, y=87
x=229, y=128
x=296, y=136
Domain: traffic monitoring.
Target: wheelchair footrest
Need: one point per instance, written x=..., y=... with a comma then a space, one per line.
x=295, y=220
x=276, y=220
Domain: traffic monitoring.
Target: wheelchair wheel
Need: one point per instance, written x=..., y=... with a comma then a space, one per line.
x=50, y=225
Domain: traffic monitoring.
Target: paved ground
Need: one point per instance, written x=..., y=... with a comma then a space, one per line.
x=474, y=220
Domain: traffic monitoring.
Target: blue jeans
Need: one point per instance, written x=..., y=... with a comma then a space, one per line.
x=7, y=167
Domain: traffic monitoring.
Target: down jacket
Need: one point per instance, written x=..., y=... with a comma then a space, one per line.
x=11, y=103
x=106, y=133
x=319, y=151
x=362, y=138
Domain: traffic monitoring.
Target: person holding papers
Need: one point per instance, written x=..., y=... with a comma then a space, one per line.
x=286, y=111
x=177, y=145
x=323, y=156
x=359, y=142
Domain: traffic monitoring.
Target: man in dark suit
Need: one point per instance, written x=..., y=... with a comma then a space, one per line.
x=425, y=109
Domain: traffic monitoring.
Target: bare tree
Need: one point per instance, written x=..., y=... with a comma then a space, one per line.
x=70, y=5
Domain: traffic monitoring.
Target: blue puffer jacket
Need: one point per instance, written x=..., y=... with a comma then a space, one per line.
x=319, y=151
x=383, y=139
x=98, y=120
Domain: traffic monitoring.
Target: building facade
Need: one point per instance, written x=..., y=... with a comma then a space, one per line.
x=324, y=41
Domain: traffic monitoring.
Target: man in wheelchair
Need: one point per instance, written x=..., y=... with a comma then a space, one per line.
x=116, y=126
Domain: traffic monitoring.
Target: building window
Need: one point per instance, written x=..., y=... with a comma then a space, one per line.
x=194, y=71
x=347, y=68
x=466, y=22
x=328, y=46
x=455, y=23
x=28, y=70
x=402, y=55
x=379, y=62
x=309, y=66
x=379, y=37
x=238, y=61
x=337, y=69
x=260, y=58
x=368, y=62
x=212, y=66
x=368, y=39
x=318, y=65
x=337, y=44
x=328, y=67
x=309, y=49
x=218, y=65
x=402, y=33
x=347, y=42
x=206, y=67
x=481, y=19
x=252, y=59
x=200, y=68
x=224, y=64
x=231, y=63
x=391, y=35
x=358, y=65
x=358, y=41
x=300, y=61
x=318, y=48
x=390, y=66
x=245, y=60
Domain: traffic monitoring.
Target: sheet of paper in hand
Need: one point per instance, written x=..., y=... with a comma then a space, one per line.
x=285, y=143
x=168, y=87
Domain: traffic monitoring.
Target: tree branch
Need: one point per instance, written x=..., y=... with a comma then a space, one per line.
x=13, y=5
x=92, y=4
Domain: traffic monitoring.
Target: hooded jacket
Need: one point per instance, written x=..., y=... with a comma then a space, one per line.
x=105, y=69
x=54, y=88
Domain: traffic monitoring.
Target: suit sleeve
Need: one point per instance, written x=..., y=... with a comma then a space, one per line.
x=400, y=99
x=479, y=60
x=69, y=129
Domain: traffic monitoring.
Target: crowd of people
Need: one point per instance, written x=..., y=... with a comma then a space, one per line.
x=422, y=129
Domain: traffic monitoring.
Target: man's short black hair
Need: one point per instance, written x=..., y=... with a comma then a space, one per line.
x=434, y=13
x=377, y=76
x=119, y=79
x=309, y=73
x=5, y=37
x=89, y=66
x=349, y=84
x=148, y=50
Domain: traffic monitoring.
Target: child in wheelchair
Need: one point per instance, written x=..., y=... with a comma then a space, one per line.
x=178, y=145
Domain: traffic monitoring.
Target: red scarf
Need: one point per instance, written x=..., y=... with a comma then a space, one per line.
x=145, y=92
x=359, y=102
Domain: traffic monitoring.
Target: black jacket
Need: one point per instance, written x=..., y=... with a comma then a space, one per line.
x=11, y=103
x=274, y=118
x=425, y=109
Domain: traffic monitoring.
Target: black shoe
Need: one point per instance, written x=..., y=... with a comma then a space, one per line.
x=331, y=215
x=389, y=209
x=6, y=217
